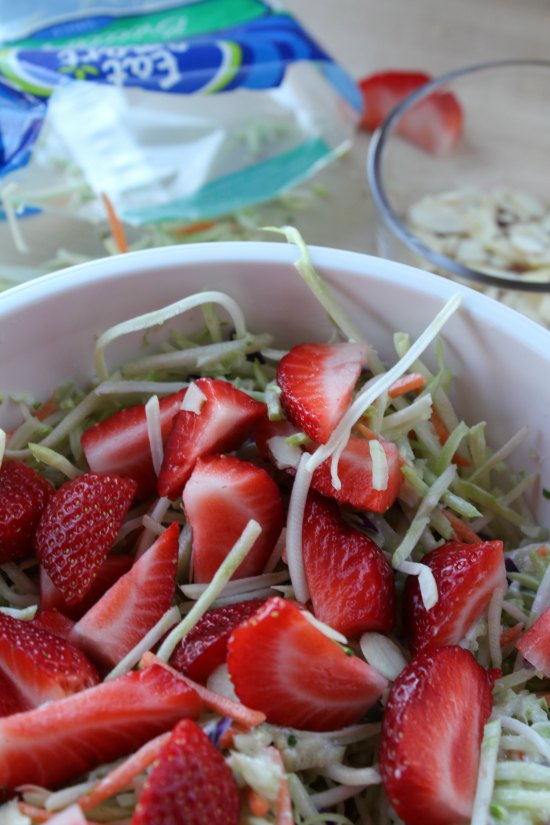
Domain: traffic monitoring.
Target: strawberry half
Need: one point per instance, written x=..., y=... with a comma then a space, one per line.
x=434, y=124
x=534, y=645
x=226, y=419
x=110, y=571
x=42, y=667
x=23, y=496
x=354, y=468
x=281, y=664
x=466, y=576
x=317, y=383
x=56, y=742
x=78, y=528
x=54, y=622
x=220, y=498
x=10, y=702
x=120, y=444
x=205, y=646
x=190, y=783
x=349, y=578
x=133, y=605
x=431, y=737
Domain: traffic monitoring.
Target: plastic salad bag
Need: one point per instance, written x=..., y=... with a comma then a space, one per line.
x=176, y=111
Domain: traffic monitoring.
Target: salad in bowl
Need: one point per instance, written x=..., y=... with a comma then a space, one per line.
x=273, y=545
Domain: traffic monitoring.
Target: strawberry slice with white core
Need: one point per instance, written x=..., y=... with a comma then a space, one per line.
x=349, y=578
x=41, y=667
x=317, y=383
x=78, y=528
x=534, y=645
x=281, y=664
x=133, y=605
x=120, y=444
x=220, y=498
x=225, y=420
x=434, y=124
x=56, y=742
x=431, y=737
x=466, y=576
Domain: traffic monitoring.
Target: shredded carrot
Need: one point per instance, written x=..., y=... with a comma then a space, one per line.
x=366, y=431
x=462, y=531
x=283, y=807
x=227, y=739
x=510, y=635
x=117, y=230
x=121, y=777
x=542, y=551
x=220, y=704
x=46, y=409
x=407, y=383
x=192, y=228
x=442, y=433
x=257, y=804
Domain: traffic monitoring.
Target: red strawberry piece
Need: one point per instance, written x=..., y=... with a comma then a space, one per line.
x=54, y=621
x=355, y=474
x=120, y=444
x=56, y=742
x=226, y=419
x=133, y=605
x=431, y=737
x=205, y=646
x=281, y=664
x=110, y=571
x=41, y=666
x=317, y=383
x=354, y=468
x=434, y=124
x=10, y=701
x=349, y=578
x=534, y=645
x=23, y=496
x=190, y=783
x=466, y=576
x=78, y=528
x=220, y=498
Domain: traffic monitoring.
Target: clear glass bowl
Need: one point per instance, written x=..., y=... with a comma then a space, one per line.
x=505, y=145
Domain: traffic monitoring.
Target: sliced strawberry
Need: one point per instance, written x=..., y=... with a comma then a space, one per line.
x=220, y=498
x=434, y=124
x=54, y=622
x=110, y=571
x=23, y=496
x=466, y=576
x=190, y=783
x=317, y=383
x=41, y=666
x=120, y=444
x=226, y=419
x=11, y=701
x=354, y=468
x=133, y=605
x=350, y=581
x=355, y=474
x=205, y=646
x=431, y=737
x=534, y=645
x=78, y=528
x=281, y=664
x=55, y=743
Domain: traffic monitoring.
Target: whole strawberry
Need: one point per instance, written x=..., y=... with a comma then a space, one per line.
x=190, y=784
x=78, y=528
x=23, y=496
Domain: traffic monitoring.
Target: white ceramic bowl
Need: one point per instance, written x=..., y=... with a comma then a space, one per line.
x=501, y=359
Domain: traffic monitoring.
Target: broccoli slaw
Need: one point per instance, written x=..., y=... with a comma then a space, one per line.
x=331, y=776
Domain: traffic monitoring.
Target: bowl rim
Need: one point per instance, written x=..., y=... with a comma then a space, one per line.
x=484, y=308
x=390, y=217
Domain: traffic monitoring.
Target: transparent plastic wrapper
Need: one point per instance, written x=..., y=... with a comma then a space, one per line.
x=177, y=112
